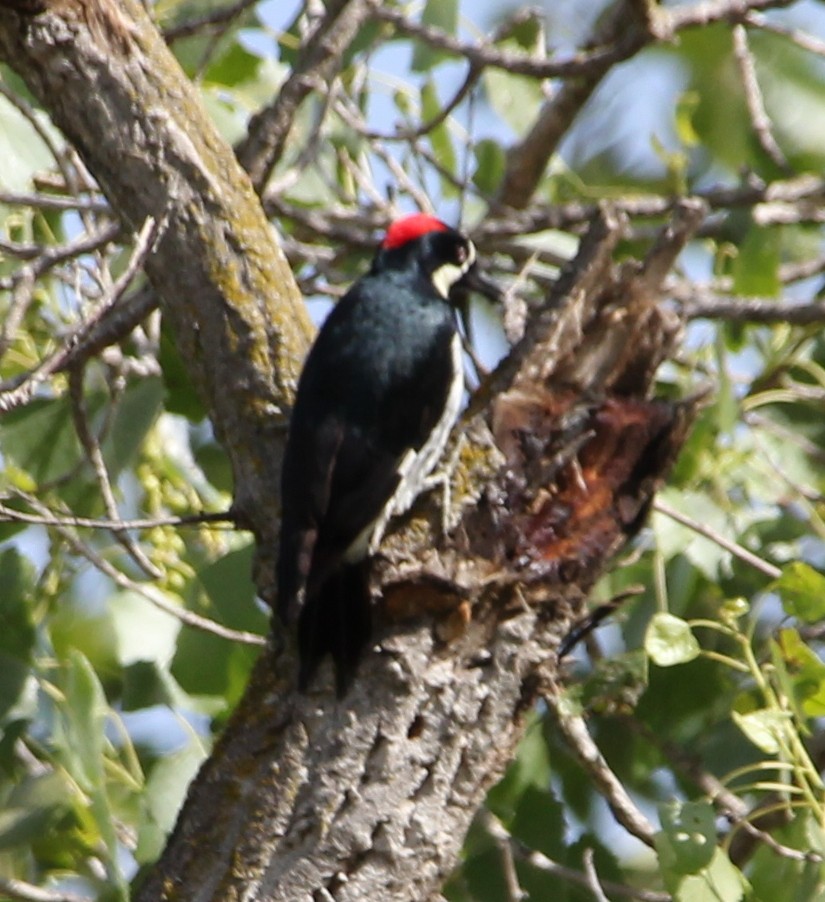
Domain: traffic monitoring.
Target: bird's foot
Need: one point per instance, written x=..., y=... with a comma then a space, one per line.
x=442, y=479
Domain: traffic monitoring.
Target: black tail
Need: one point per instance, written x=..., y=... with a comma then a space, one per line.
x=336, y=620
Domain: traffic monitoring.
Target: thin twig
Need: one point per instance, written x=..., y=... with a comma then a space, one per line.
x=222, y=16
x=802, y=39
x=94, y=455
x=86, y=340
x=53, y=201
x=708, y=11
x=153, y=596
x=321, y=55
x=574, y=730
x=88, y=439
x=753, y=97
x=709, y=533
x=592, y=876
x=504, y=842
x=539, y=860
x=10, y=515
x=28, y=892
x=22, y=282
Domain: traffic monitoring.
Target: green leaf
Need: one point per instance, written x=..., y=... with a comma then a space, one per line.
x=165, y=792
x=21, y=149
x=40, y=439
x=802, y=590
x=234, y=67
x=669, y=640
x=530, y=768
x=686, y=106
x=616, y=683
x=181, y=395
x=17, y=630
x=801, y=671
x=490, y=162
x=483, y=874
x=687, y=840
x=228, y=582
x=764, y=728
x=134, y=415
x=756, y=267
x=212, y=459
x=514, y=98
x=719, y=882
x=34, y=805
x=145, y=685
x=439, y=136
x=441, y=14
x=539, y=821
x=84, y=751
x=142, y=631
x=673, y=539
x=779, y=878
x=86, y=711
x=527, y=31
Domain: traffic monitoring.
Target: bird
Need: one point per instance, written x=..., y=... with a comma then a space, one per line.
x=379, y=393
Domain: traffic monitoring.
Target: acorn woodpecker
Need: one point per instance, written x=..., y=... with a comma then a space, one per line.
x=381, y=389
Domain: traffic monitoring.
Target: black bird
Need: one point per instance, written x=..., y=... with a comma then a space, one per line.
x=380, y=391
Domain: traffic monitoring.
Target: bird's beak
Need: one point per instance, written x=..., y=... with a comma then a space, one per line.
x=475, y=280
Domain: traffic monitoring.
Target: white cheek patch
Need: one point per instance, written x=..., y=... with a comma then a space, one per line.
x=445, y=277
x=449, y=273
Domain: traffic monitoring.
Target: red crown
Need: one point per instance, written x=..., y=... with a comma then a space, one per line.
x=411, y=227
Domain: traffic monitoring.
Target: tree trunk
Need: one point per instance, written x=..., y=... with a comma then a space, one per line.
x=369, y=797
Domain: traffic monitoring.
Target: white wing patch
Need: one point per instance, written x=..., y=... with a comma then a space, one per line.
x=414, y=467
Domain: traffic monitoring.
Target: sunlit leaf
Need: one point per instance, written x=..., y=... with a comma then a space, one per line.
x=441, y=14
x=756, y=267
x=687, y=840
x=490, y=161
x=669, y=640
x=22, y=150
x=803, y=670
x=439, y=137
x=514, y=98
x=765, y=729
x=720, y=881
x=802, y=590
x=165, y=791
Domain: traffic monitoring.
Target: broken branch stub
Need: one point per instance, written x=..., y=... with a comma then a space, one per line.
x=574, y=445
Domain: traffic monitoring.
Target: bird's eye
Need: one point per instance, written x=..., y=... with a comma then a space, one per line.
x=461, y=253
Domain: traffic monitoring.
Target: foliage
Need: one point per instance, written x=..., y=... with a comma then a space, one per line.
x=706, y=696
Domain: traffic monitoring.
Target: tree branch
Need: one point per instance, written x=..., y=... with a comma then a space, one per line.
x=369, y=797
x=464, y=636
x=322, y=54
x=102, y=69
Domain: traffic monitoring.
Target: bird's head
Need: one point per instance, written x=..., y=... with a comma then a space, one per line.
x=446, y=256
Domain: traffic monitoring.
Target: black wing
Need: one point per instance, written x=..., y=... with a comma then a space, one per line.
x=373, y=387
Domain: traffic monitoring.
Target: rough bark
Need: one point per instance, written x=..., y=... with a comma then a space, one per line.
x=370, y=797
